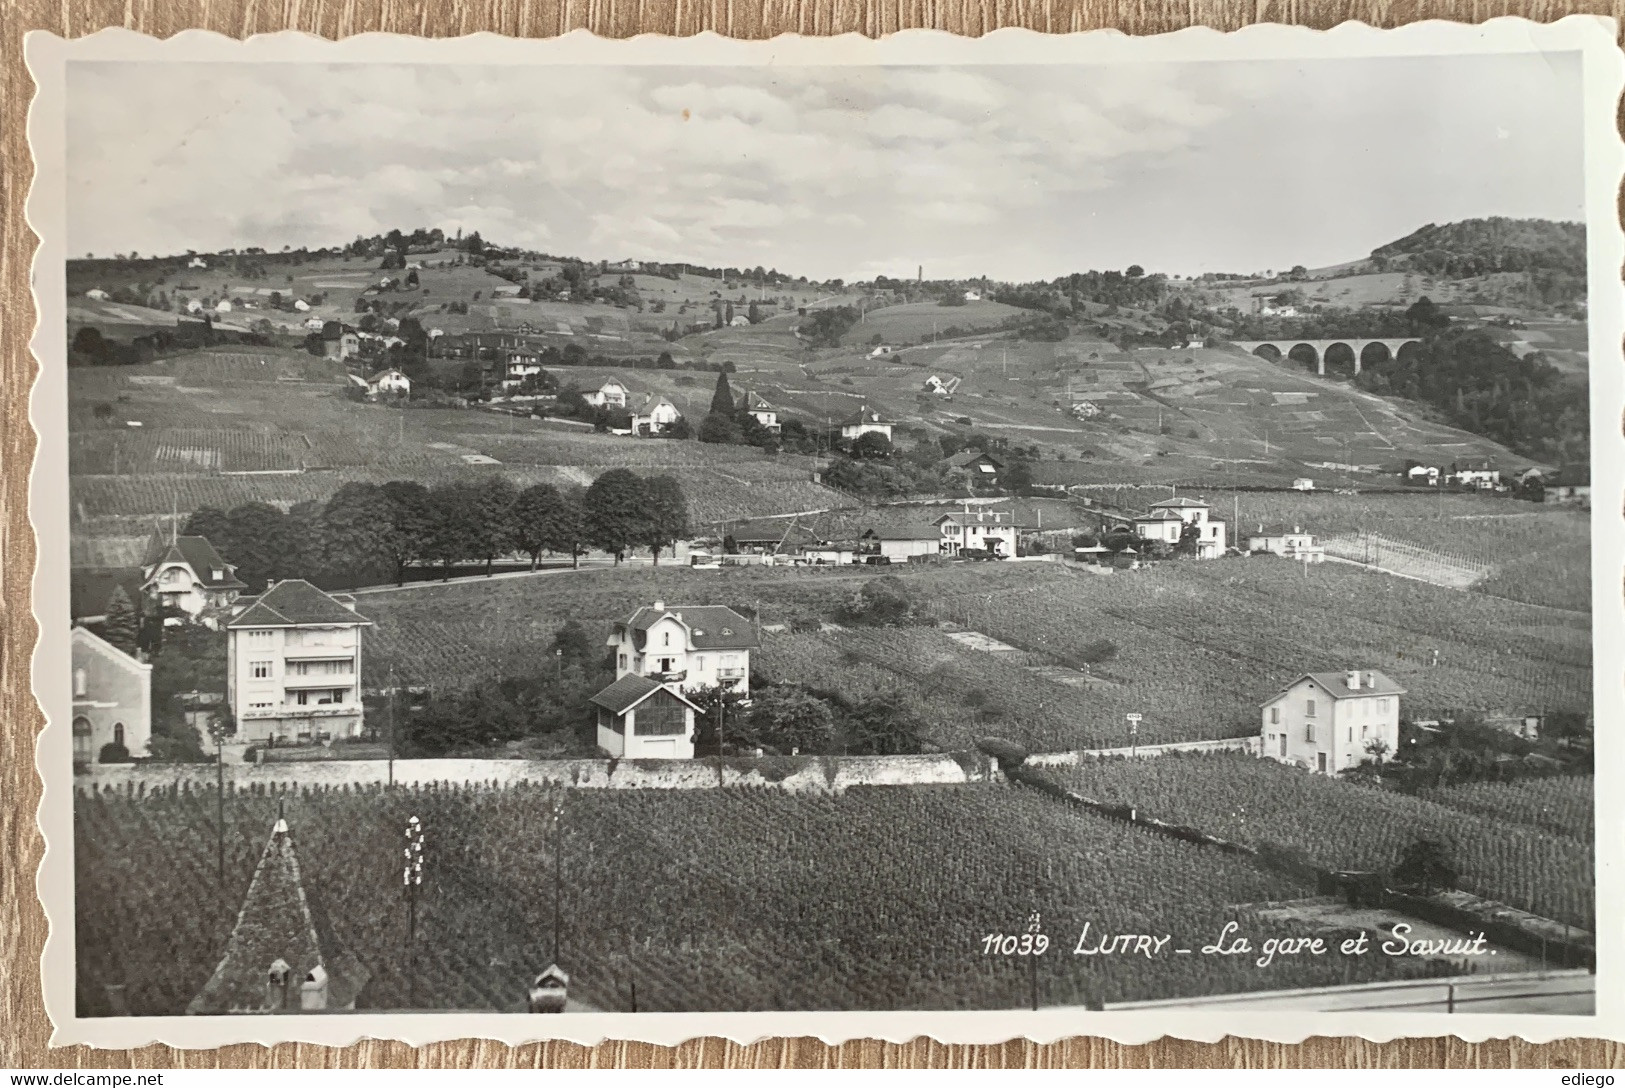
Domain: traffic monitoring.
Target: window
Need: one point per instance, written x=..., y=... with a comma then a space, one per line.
x=260, y=669
x=661, y=716
x=621, y=661
x=667, y=643
x=1321, y=761
x=78, y=681
x=699, y=663
x=1309, y=709
x=1351, y=734
x=1283, y=745
x=259, y=636
x=218, y=574
x=1309, y=732
x=1382, y=706
x=1275, y=715
x=259, y=706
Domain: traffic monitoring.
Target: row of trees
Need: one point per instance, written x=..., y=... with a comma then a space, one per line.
x=367, y=533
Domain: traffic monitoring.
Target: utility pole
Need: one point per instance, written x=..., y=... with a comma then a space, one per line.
x=390, y=706
x=558, y=872
x=220, y=800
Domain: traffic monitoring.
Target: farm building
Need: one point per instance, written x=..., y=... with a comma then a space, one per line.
x=223, y=306
x=773, y=537
x=293, y=666
x=314, y=324
x=739, y=321
x=757, y=406
x=692, y=646
x=279, y=959
x=97, y=293
x=112, y=699
x=1303, y=483
x=339, y=343
x=879, y=350
x=300, y=305
x=1330, y=721
x=1570, y=486
x=197, y=262
x=639, y=718
x=186, y=574
x=655, y=418
x=899, y=542
x=992, y=531
x=977, y=468
x=1421, y=474
x=864, y=421
x=973, y=296
x=1291, y=543
x=194, y=306
x=1481, y=474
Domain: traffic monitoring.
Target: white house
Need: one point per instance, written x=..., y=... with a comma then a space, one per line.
x=1422, y=474
x=656, y=418
x=301, y=305
x=197, y=262
x=293, y=661
x=223, y=306
x=1291, y=543
x=879, y=350
x=659, y=652
x=186, y=574
x=756, y=406
x=1166, y=521
x=96, y=293
x=612, y=394
x=973, y=296
x=980, y=529
x=1303, y=483
x=864, y=421
x=388, y=383
x=1480, y=474
x=739, y=321
x=194, y=306
x=112, y=699
x=1331, y=721
x=314, y=324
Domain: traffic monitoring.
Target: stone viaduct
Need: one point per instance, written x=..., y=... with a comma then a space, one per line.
x=1361, y=351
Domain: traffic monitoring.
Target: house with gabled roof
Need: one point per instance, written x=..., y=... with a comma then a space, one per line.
x=612, y=394
x=112, y=699
x=187, y=575
x=975, y=468
x=758, y=408
x=980, y=530
x=641, y=718
x=293, y=659
x=282, y=956
x=864, y=421
x=695, y=646
x=388, y=382
x=1569, y=486
x=657, y=416
x=1329, y=722
x=1165, y=522
x=900, y=542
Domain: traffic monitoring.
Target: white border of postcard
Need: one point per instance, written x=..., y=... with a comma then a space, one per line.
x=1604, y=75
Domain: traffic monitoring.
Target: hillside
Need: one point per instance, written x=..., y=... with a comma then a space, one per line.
x=1477, y=247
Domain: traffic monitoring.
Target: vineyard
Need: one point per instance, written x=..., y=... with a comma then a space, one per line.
x=458, y=633
x=1338, y=825
x=1562, y=806
x=698, y=899
x=1208, y=642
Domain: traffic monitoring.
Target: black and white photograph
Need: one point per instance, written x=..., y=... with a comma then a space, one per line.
x=934, y=533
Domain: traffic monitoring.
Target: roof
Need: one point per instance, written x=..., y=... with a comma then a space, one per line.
x=865, y=414
x=1278, y=530
x=1570, y=476
x=753, y=401
x=1336, y=684
x=1182, y=503
x=196, y=552
x=384, y=373
x=275, y=923
x=773, y=533
x=904, y=532
x=107, y=649
x=1004, y=519
x=710, y=626
x=632, y=689
x=295, y=602
x=1160, y=515
x=970, y=456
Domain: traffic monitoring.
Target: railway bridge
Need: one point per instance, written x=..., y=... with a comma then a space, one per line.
x=1358, y=352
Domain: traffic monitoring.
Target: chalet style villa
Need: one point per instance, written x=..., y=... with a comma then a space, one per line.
x=756, y=406
x=864, y=421
x=293, y=660
x=1330, y=721
x=992, y=531
x=186, y=575
x=612, y=394
x=659, y=653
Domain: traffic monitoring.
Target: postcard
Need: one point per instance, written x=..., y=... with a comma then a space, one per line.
x=1020, y=536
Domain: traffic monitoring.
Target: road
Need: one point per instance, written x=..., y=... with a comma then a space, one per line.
x=589, y=563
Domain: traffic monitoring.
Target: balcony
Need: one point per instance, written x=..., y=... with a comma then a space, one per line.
x=319, y=653
x=673, y=676
x=323, y=710
x=731, y=674
x=342, y=680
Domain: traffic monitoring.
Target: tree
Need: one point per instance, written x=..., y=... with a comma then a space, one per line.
x=122, y=627
x=212, y=523
x=1424, y=317
x=1134, y=272
x=1018, y=478
x=884, y=725
x=617, y=512
x=722, y=399
x=1189, y=535
x=491, y=534
x=569, y=531
x=871, y=446
x=667, y=520
x=262, y=543
x=885, y=601
x=409, y=523
x=534, y=514
x=1426, y=866
x=721, y=722
x=789, y=718
x=358, y=529
x=754, y=314
x=719, y=429
x=453, y=512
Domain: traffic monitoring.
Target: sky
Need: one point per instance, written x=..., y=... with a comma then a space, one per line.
x=1015, y=173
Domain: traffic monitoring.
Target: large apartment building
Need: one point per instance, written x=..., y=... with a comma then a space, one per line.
x=294, y=666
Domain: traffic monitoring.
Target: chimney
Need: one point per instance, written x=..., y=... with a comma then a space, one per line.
x=276, y=984
x=1370, y=680
x=659, y=606
x=1352, y=680
x=313, y=991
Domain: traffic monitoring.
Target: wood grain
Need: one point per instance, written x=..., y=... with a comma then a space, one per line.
x=23, y=1025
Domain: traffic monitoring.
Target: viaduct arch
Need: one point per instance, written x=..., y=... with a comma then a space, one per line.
x=1277, y=349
